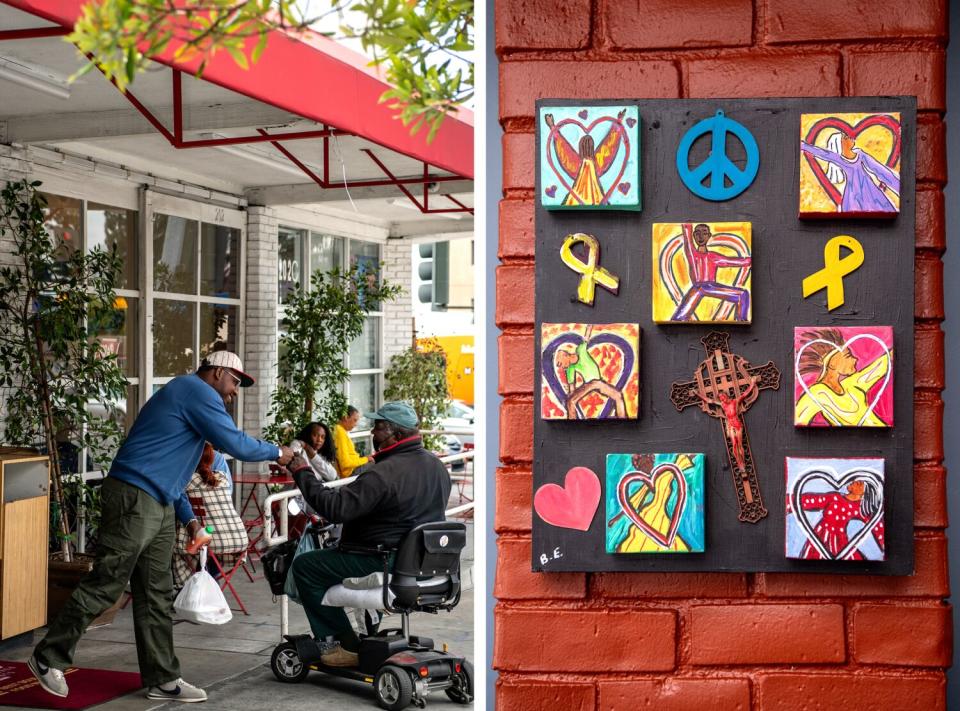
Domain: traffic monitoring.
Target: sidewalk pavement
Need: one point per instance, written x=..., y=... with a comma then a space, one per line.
x=232, y=661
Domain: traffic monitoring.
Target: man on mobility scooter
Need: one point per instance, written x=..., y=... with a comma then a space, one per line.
x=406, y=489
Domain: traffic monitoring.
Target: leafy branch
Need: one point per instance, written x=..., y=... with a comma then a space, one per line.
x=405, y=37
x=55, y=368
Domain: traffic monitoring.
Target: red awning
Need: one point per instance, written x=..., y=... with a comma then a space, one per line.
x=318, y=79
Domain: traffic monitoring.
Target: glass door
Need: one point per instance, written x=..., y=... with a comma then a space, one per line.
x=194, y=283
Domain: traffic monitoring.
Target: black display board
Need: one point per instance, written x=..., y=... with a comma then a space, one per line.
x=785, y=250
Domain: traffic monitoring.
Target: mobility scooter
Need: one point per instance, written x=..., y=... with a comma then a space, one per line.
x=403, y=668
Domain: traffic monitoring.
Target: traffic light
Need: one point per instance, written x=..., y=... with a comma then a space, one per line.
x=434, y=273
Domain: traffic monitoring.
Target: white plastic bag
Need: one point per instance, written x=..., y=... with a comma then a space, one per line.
x=201, y=599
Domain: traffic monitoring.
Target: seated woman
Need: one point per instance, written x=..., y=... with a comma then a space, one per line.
x=210, y=484
x=317, y=443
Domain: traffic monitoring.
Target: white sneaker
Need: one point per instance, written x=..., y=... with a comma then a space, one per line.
x=181, y=691
x=51, y=680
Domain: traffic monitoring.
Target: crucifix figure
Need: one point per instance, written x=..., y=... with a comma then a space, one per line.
x=725, y=385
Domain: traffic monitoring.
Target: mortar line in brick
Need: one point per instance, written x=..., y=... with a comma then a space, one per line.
x=517, y=261
x=794, y=49
x=841, y=72
x=684, y=650
x=595, y=32
x=547, y=678
x=745, y=672
x=759, y=24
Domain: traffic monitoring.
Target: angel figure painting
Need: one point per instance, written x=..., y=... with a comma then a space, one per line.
x=850, y=165
x=589, y=157
x=843, y=377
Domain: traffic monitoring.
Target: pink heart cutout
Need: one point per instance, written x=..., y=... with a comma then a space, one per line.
x=572, y=505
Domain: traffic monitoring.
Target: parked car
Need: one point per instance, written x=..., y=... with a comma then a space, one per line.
x=460, y=416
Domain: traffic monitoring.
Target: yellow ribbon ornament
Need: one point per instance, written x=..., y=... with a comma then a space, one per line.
x=592, y=273
x=835, y=268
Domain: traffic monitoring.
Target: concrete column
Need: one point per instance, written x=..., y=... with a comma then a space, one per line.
x=260, y=346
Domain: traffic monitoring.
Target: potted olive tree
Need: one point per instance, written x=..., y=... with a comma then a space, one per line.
x=419, y=376
x=320, y=323
x=59, y=385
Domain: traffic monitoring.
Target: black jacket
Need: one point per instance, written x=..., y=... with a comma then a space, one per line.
x=406, y=486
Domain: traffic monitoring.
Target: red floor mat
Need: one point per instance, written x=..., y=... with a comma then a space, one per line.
x=88, y=687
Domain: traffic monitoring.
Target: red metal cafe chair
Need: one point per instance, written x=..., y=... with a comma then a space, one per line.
x=226, y=573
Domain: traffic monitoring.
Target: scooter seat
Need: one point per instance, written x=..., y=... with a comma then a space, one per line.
x=365, y=599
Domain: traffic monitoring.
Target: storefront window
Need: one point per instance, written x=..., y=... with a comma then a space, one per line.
x=116, y=329
x=326, y=252
x=365, y=350
x=63, y=218
x=218, y=328
x=289, y=262
x=365, y=256
x=74, y=224
x=174, y=254
x=219, y=261
x=174, y=326
x=109, y=227
x=302, y=253
x=363, y=396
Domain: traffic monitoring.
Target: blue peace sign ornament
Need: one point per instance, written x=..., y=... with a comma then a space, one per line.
x=718, y=167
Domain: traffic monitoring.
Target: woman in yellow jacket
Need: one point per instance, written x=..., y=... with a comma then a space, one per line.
x=347, y=457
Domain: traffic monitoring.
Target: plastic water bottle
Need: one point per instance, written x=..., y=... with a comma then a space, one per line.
x=203, y=538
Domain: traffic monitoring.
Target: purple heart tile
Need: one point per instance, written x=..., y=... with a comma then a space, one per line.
x=624, y=188
x=631, y=122
x=583, y=115
x=551, y=191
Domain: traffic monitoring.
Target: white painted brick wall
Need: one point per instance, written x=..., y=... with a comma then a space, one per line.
x=397, y=315
x=260, y=340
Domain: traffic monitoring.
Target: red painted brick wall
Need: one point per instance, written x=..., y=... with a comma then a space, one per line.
x=579, y=642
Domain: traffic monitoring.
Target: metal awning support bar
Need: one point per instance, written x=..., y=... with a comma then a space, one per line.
x=424, y=206
x=34, y=33
x=326, y=184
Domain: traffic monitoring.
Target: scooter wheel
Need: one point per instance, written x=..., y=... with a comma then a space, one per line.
x=286, y=665
x=462, y=692
x=394, y=688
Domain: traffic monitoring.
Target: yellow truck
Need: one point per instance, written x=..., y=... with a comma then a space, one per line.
x=459, y=350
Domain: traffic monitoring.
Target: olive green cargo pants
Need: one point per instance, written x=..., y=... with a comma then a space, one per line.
x=137, y=535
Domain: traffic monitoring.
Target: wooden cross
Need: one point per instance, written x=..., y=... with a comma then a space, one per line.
x=725, y=385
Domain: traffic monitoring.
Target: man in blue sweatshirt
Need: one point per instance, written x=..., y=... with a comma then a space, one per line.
x=142, y=494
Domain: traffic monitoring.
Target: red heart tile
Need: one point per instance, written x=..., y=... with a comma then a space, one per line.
x=572, y=505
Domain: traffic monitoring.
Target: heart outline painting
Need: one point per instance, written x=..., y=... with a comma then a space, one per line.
x=655, y=503
x=589, y=371
x=702, y=272
x=843, y=376
x=589, y=157
x=850, y=165
x=835, y=509
x=572, y=505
